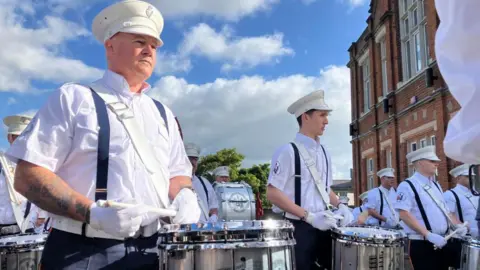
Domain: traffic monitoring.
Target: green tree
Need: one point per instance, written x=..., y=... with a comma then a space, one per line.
x=225, y=157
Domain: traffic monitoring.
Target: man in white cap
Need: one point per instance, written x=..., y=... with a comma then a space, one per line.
x=202, y=186
x=222, y=174
x=108, y=141
x=424, y=216
x=460, y=200
x=15, y=210
x=299, y=185
x=380, y=202
x=456, y=43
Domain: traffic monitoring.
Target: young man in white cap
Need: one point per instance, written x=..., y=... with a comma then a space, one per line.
x=456, y=43
x=424, y=215
x=15, y=210
x=460, y=200
x=380, y=202
x=299, y=185
x=202, y=186
x=222, y=174
x=360, y=209
x=108, y=141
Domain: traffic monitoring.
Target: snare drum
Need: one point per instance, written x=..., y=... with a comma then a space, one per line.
x=470, y=259
x=362, y=247
x=262, y=245
x=22, y=251
x=236, y=201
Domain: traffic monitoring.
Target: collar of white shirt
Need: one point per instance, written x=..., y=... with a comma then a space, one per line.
x=463, y=189
x=423, y=179
x=307, y=141
x=117, y=82
x=384, y=190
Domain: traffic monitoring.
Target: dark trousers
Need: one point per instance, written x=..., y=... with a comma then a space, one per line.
x=313, y=247
x=65, y=250
x=423, y=255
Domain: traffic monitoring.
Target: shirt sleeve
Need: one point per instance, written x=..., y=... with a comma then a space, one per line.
x=450, y=201
x=179, y=163
x=211, y=195
x=281, y=168
x=372, y=199
x=47, y=140
x=405, y=198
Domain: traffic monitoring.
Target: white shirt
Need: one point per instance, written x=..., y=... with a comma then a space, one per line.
x=357, y=211
x=62, y=137
x=375, y=202
x=7, y=216
x=212, y=201
x=282, y=171
x=406, y=201
x=468, y=203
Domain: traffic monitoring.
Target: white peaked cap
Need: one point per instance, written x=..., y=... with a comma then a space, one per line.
x=128, y=16
x=388, y=172
x=427, y=152
x=16, y=123
x=192, y=150
x=312, y=101
x=222, y=171
x=460, y=170
x=363, y=196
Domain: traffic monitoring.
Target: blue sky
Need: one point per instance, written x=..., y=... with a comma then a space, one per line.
x=228, y=72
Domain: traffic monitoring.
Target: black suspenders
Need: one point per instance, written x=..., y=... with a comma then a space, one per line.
x=381, y=206
x=204, y=188
x=298, y=172
x=459, y=207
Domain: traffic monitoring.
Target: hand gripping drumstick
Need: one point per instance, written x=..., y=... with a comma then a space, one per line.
x=119, y=205
x=454, y=232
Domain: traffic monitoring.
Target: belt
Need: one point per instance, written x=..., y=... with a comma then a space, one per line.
x=75, y=227
x=416, y=237
x=290, y=216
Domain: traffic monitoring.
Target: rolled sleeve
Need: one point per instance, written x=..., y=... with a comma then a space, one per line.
x=281, y=168
x=405, y=198
x=179, y=163
x=47, y=140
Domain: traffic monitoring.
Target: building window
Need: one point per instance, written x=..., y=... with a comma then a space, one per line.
x=370, y=165
x=423, y=143
x=366, y=85
x=433, y=140
x=413, y=146
x=370, y=173
x=370, y=182
x=389, y=158
x=383, y=58
x=414, y=37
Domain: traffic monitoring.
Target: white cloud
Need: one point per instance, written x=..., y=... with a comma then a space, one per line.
x=357, y=3
x=231, y=10
x=234, y=52
x=250, y=114
x=35, y=53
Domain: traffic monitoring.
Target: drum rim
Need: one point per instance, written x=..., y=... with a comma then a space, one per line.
x=237, y=245
x=341, y=233
x=38, y=239
x=226, y=226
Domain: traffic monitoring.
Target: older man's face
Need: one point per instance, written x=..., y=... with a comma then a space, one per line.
x=132, y=55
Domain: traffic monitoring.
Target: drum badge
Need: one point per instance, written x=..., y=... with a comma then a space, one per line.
x=238, y=202
x=149, y=11
x=276, y=169
x=400, y=196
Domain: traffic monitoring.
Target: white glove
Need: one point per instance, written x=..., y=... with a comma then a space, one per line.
x=344, y=211
x=186, y=205
x=438, y=240
x=462, y=230
x=120, y=222
x=392, y=222
x=323, y=221
x=213, y=218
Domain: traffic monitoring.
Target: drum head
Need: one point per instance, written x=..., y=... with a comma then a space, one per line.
x=368, y=232
x=22, y=240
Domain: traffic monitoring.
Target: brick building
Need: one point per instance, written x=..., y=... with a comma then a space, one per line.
x=400, y=102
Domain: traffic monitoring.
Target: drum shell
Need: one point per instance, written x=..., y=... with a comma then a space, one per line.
x=263, y=245
x=350, y=253
x=470, y=258
x=236, y=201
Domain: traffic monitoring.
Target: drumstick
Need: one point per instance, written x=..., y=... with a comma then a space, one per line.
x=454, y=232
x=119, y=205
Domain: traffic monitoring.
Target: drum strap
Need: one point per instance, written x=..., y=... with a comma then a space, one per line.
x=459, y=207
x=298, y=176
x=204, y=188
x=420, y=206
x=361, y=210
x=381, y=205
